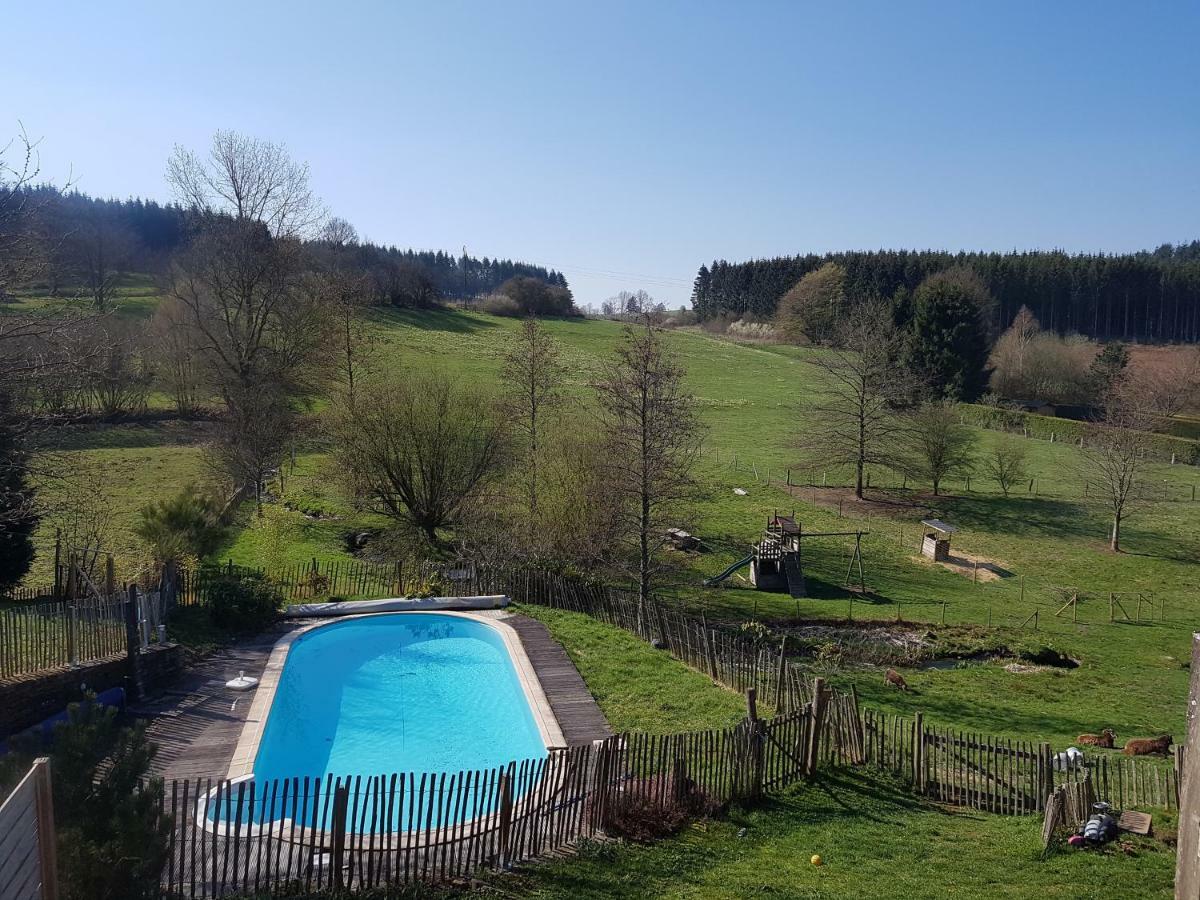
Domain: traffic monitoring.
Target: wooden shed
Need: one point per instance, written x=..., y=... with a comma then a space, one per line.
x=936, y=542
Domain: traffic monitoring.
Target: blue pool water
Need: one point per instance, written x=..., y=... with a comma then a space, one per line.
x=414, y=692
x=411, y=692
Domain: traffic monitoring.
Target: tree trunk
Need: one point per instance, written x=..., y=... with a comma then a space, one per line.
x=1114, y=543
x=858, y=480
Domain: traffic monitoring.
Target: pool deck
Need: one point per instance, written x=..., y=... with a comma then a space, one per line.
x=197, y=723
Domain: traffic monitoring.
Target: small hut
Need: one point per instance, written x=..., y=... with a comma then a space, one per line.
x=936, y=543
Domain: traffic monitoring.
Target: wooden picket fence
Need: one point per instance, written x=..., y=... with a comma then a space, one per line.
x=1126, y=782
x=1000, y=775
x=317, y=581
x=309, y=834
x=41, y=636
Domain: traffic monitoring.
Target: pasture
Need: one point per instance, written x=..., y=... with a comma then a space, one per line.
x=1050, y=538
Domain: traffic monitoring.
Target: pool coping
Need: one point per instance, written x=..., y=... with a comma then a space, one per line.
x=241, y=766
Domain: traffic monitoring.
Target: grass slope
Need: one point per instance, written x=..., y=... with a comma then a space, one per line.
x=874, y=840
x=1132, y=676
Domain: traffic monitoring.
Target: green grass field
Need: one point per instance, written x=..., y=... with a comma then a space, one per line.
x=1131, y=676
x=874, y=840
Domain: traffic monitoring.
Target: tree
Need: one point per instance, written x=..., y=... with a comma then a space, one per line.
x=1169, y=383
x=854, y=416
x=1108, y=369
x=948, y=342
x=418, y=449
x=535, y=297
x=96, y=249
x=248, y=179
x=250, y=440
x=651, y=435
x=1116, y=454
x=345, y=291
x=174, y=356
x=1011, y=356
x=18, y=515
x=112, y=832
x=1006, y=463
x=812, y=308
x=257, y=328
x=533, y=374
x=630, y=303
x=935, y=445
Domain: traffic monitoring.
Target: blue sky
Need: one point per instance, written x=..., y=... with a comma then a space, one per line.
x=645, y=138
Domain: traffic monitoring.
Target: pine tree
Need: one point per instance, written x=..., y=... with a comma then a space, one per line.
x=948, y=342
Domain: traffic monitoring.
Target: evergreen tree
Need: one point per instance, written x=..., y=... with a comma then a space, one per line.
x=948, y=342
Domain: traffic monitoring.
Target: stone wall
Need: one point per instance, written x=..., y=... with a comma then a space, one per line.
x=30, y=699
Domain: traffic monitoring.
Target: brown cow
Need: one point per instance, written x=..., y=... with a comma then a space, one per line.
x=895, y=679
x=1146, y=746
x=1106, y=738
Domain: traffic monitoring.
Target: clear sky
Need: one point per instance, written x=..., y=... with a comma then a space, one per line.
x=645, y=138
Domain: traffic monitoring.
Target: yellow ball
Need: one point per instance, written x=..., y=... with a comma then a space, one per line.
x=816, y=859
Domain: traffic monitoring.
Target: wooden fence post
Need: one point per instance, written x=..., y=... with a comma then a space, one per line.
x=47, y=840
x=1045, y=774
x=58, y=585
x=506, y=815
x=918, y=753
x=756, y=739
x=337, y=853
x=133, y=643
x=110, y=577
x=814, y=732
x=779, y=674
x=1187, y=859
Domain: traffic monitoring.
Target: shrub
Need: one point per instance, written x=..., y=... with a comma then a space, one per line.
x=242, y=602
x=112, y=833
x=187, y=524
x=653, y=807
x=500, y=305
x=535, y=297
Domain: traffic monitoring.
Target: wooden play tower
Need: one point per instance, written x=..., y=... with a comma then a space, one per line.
x=777, y=560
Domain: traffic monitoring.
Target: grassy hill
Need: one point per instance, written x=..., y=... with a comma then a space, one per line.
x=1130, y=676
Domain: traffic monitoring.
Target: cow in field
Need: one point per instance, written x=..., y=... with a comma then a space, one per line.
x=1106, y=738
x=1160, y=745
x=895, y=679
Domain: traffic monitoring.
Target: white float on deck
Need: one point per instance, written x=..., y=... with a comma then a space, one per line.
x=396, y=604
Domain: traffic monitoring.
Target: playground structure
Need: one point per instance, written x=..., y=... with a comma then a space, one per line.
x=777, y=560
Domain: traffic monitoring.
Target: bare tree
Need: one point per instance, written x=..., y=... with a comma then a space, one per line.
x=344, y=293
x=1116, y=455
x=533, y=374
x=651, y=434
x=254, y=322
x=418, y=449
x=337, y=232
x=173, y=354
x=1006, y=463
x=1168, y=384
x=934, y=444
x=250, y=440
x=249, y=179
x=21, y=250
x=854, y=417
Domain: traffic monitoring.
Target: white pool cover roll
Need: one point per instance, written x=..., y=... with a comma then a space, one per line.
x=396, y=604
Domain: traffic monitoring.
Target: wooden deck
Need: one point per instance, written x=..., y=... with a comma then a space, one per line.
x=574, y=706
x=197, y=723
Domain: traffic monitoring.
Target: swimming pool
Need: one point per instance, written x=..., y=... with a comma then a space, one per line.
x=411, y=692
x=393, y=693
